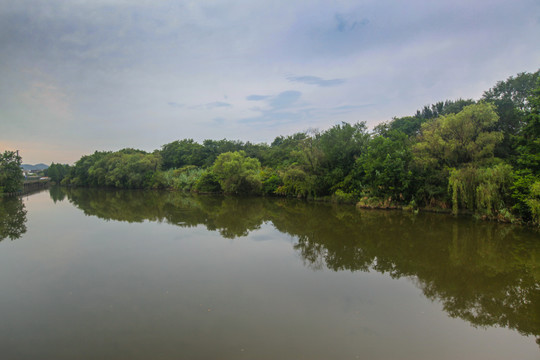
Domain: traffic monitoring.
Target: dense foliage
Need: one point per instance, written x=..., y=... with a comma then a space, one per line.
x=11, y=175
x=57, y=172
x=481, y=157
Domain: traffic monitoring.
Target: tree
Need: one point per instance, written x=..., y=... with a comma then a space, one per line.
x=528, y=162
x=385, y=167
x=213, y=148
x=57, y=172
x=279, y=153
x=181, y=153
x=482, y=190
x=124, y=169
x=11, y=175
x=297, y=182
x=453, y=141
x=411, y=125
x=511, y=99
x=456, y=139
x=340, y=146
x=323, y=160
x=237, y=173
x=79, y=173
x=208, y=183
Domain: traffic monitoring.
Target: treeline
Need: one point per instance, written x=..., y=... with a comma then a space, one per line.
x=481, y=157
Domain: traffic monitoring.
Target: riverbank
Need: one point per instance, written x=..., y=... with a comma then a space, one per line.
x=29, y=187
x=364, y=203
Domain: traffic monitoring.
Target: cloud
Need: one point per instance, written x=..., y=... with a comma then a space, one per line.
x=218, y=121
x=285, y=108
x=114, y=65
x=278, y=110
x=347, y=108
x=217, y=104
x=347, y=23
x=314, y=80
x=212, y=105
x=257, y=97
x=270, y=118
x=284, y=99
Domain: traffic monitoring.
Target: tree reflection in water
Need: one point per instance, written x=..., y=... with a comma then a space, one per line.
x=12, y=218
x=485, y=273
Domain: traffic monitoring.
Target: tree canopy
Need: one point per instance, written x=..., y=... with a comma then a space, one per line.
x=11, y=175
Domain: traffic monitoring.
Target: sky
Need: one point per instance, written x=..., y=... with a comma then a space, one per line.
x=80, y=76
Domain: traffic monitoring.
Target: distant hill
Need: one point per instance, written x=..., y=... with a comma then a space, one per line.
x=37, y=167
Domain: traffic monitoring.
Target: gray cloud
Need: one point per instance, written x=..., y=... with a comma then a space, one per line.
x=284, y=100
x=279, y=109
x=257, y=97
x=79, y=76
x=217, y=104
x=314, y=80
x=212, y=105
x=346, y=23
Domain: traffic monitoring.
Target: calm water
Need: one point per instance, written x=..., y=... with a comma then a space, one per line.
x=88, y=274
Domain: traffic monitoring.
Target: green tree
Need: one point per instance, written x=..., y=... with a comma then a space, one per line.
x=443, y=108
x=511, y=99
x=125, y=169
x=78, y=174
x=271, y=181
x=304, y=175
x=57, y=172
x=411, y=125
x=385, y=168
x=180, y=153
x=11, y=175
x=533, y=201
x=213, y=148
x=208, y=183
x=456, y=139
x=453, y=141
x=279, y=153
x=528, y=160
x=340, y=146
x=237, y=173
x=484, y=191
x=297, y=182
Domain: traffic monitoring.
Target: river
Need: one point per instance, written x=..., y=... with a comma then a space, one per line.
x=102, y=274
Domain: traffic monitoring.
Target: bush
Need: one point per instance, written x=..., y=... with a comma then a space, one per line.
x=237, y=173
x=534, y=201
x=343, y=197
x=208, y=182
x=271, y=181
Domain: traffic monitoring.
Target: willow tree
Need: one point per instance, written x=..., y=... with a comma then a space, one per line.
x=453, y=146
x=457, y=139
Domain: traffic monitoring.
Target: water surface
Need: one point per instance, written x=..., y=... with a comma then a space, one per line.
x=88, y=274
